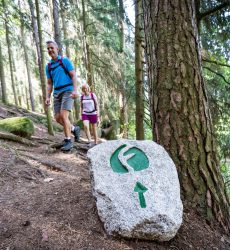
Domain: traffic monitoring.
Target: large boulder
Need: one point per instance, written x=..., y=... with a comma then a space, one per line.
x=21, y=126
x=137, y=190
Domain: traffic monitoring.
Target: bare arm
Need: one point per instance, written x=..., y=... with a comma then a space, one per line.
x=97, y=108
x=49, y=90
x=74, y=79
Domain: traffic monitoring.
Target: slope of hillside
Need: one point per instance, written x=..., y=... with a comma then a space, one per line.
x=46, y=201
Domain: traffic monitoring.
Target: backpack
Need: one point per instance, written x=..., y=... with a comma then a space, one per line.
x=60, y=63
x=92, y=97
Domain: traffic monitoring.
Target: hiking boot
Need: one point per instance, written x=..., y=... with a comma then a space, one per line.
x=76, y=132
x=67, y=145
x=60, y=145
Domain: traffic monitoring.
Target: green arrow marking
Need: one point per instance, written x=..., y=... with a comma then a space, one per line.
x=141, y=189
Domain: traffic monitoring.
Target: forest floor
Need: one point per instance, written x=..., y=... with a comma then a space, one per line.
x=46, y=202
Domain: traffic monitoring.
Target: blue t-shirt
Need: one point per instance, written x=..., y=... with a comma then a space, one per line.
x=59, y=76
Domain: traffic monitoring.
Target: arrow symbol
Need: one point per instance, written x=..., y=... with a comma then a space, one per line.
x=141, y=189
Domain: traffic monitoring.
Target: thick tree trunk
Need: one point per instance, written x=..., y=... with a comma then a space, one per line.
x=42, y=72
x=3, y=80
x=180, y=115
x=139, y=58
x=32, y=102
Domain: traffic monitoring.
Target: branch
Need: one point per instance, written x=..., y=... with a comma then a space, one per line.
x=147, y=123
x=216, y=62
x=211, y=11
x=220, y=75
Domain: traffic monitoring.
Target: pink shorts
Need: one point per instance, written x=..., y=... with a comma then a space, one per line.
x=91, y=118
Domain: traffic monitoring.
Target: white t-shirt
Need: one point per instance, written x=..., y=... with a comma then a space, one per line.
x=88, y=105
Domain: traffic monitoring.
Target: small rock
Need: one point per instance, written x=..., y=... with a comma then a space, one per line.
x=48, y=179
x=45, y=236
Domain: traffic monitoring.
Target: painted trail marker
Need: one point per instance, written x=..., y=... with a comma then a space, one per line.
x=126, y=159
x=140, y=189
x=137, y=190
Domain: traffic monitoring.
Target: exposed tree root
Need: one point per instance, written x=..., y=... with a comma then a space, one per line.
x=12, y=137
x=50, y=165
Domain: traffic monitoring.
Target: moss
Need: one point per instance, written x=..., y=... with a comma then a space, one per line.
x=21, y=126
x=209, y=214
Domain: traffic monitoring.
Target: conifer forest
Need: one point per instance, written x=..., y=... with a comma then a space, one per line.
x=160, y=70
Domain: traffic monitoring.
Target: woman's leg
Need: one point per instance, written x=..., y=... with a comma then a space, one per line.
x=95, y=132
x=86, y=129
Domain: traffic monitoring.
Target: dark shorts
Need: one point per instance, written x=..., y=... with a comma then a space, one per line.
x=63, y=101
x=91, y=118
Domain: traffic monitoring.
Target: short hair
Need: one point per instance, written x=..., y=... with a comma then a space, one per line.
x=50, y=41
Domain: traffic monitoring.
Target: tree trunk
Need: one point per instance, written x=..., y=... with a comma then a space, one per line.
x=8, y=40
x=3, y=80
x=42, y=68
x=27, y=99
x=64, y=27
x=87, y=48
x=139, y=58
x=57, y=33
x=123, y=98
x=32, y=102
x=180, y=115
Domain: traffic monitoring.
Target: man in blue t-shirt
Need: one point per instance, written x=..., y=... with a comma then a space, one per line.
x=62, y=81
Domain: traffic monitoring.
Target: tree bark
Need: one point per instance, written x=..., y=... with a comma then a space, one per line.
x=32, y=101
x=87, y=48
x=3, y=80
x=123, y=98
x=64, y=27
x=57, y=33
x=139, y=58
x=180, y=115
x=42, y=72
x=8, y=40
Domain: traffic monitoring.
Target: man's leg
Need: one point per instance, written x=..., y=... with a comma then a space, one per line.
x=64, y=118
x=58, y=118
x=66, y=107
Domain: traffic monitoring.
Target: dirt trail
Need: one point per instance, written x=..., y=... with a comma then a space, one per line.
x=46, y=203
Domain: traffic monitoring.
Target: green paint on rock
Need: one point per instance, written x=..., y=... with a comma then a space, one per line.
x=115, y=162
x=141, y=189
x=139, y=161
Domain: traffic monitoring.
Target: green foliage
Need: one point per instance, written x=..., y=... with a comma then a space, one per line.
x=216, y=29
x=215, y=38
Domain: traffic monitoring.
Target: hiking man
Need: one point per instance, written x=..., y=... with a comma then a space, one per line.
x=62, y=80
